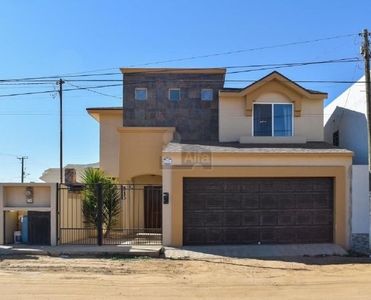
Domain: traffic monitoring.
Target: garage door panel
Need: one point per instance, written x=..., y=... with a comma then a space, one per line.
x=251, y=210
x=250, y=219
x=213, y=202
x=304, y=235
x=268, y=186
x=304, y=185
x=232, y=186
x=213, y=219
x=285, y=235
x=196, y=202
x=195, y=237
x=206, y=186
x=214, y=236
x=303, y=218
x=194, y=220
x=250, y=201
x=233, y=236
x=251, y=186
x=288, y=186
x=232, y=219
x=232, y=202
x=321, y=185
x=268, y=201
x=285, y=201
x=322, y=235
x=268, y=235
x=286, y=218
x=268, y=219
x=322, y=201
x=213, y=187
x=304, y=201
x=250, y=236
x=322, y=218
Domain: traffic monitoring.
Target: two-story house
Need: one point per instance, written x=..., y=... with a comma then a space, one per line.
x=236, y=166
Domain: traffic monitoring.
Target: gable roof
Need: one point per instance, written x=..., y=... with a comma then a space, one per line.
x=271, y=77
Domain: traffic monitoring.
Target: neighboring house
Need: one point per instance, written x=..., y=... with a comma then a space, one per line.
x=33, y=210
x=29, y=211
x=52, y=175
x=346, y=126
x=236, y=166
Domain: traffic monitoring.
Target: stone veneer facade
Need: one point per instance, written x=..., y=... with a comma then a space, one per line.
x=193, y=118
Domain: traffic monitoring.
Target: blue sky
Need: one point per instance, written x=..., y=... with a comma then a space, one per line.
x=51, y=38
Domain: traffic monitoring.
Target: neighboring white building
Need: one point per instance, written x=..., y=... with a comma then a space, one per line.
x=345, y=122
x=52, y=175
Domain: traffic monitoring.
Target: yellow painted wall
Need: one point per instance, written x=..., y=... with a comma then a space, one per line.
x=141, y=150
x=109, y=142
x=15, y=196
x=234, y=123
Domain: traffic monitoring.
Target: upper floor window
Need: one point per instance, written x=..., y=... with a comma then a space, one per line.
x=207, y=94
x=140, y=94
x=273, y=120
x=174, y=94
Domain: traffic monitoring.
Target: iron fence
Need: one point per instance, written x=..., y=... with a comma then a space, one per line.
x=137, y=221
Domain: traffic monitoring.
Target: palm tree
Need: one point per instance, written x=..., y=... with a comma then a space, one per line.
x=111, y=201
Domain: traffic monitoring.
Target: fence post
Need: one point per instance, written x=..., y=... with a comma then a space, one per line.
x=100, y=212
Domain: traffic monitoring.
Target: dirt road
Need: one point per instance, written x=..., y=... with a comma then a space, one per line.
x=44, y=277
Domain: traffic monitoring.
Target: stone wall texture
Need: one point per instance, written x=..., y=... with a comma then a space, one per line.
x=193, y=118
x=360, y=241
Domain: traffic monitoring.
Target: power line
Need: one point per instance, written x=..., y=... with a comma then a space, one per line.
x=84, y=73
x=268, y=66
x=245, y=50
x=254, y=67
x=90, y=90
x=53, y=91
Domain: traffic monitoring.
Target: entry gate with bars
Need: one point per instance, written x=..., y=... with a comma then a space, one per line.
x=139, y=221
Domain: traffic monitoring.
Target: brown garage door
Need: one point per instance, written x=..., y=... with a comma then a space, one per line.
x=219, y=211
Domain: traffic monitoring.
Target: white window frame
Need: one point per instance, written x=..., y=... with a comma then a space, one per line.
x=141, y=90
x=272, y=115
x=206, y=98
x=169, y=94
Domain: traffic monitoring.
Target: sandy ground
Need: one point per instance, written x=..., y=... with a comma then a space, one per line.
x=44, y=277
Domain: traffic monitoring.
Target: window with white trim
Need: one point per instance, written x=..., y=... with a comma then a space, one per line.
x=207, y=94
x=174, y=94
x=273, y=119
x=140, y=94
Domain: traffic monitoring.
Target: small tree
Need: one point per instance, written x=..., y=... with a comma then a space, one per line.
x=111, y=201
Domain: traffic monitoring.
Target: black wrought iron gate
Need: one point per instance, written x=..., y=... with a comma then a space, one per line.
x=138, y=221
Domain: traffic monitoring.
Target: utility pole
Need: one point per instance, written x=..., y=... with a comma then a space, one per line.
x=365, y=51
x=22, y=170
x=60, y=82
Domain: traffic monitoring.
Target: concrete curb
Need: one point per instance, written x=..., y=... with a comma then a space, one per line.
x=82, y=251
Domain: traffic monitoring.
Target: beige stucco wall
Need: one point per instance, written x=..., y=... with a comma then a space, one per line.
x=234, y=123
x=141, y=150
x=245, y=165
x=13, y=203
x=109, y=142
